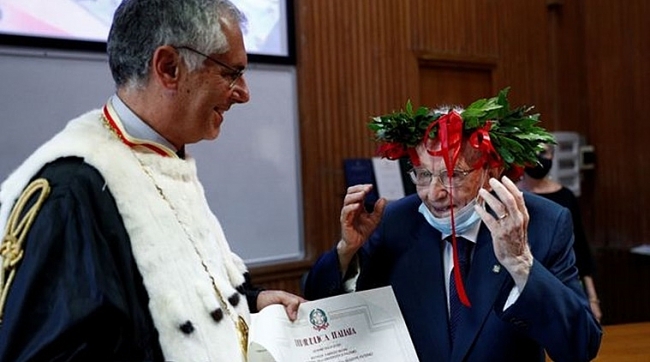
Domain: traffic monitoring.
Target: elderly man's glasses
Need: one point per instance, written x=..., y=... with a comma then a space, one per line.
x=234, y=74
x=423, y=177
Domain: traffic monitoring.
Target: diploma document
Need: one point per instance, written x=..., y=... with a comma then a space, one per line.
x=360, y=326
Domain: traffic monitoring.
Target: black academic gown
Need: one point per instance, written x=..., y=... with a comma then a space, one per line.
x=78, y=294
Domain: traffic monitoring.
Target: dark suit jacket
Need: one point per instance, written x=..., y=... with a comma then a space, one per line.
x=551, y=313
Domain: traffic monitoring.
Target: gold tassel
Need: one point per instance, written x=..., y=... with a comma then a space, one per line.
x=11, y=248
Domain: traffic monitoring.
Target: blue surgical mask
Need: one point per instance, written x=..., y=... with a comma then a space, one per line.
x=465, y=218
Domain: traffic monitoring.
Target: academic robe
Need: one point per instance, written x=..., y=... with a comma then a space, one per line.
x=551, y=313
x=78, y=295
x=83, y=290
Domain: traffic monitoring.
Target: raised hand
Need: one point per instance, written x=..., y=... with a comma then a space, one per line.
x=508, y=228
x=356, y=223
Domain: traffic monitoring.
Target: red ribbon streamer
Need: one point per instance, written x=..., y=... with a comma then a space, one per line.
x=450, y=136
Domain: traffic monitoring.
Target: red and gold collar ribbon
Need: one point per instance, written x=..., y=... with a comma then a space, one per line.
x=113, y=121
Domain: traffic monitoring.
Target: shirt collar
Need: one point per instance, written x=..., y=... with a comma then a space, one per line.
x=135, y=126
x=471, y=234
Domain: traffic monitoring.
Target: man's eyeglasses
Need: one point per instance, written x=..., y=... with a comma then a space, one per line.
x=423, y=177
x=234, y=74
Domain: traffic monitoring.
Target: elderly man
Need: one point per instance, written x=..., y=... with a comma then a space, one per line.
x=481, y=271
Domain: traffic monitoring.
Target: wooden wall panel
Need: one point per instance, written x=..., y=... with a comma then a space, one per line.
x=524, y=59
x=618, y=72
x=452, y=86
x=455, y=27
x=353, y=63
x=453, y=80
x=567, y=42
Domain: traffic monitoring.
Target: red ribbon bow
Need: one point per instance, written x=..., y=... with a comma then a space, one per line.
x=480, y=140
x=391, y=150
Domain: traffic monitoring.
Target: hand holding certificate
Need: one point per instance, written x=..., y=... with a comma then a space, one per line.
x=360, y=326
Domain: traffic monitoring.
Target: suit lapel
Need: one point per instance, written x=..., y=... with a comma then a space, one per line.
x=426, y=288
x=485, y=280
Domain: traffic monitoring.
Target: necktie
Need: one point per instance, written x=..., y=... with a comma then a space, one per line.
x=455, y=305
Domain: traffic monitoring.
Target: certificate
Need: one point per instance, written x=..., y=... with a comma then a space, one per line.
x=360, y=326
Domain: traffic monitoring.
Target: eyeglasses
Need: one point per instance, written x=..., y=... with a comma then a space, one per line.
x=234, y=74
x=423, y=177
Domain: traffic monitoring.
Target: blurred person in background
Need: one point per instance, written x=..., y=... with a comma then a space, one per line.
x=536, y=180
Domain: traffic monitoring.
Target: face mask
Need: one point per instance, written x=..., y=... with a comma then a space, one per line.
x=465, y=218
x=540, y=170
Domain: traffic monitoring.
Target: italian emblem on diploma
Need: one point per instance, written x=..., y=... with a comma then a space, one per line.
x=360, y=326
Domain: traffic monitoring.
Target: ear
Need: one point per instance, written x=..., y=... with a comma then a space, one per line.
x=166, y=66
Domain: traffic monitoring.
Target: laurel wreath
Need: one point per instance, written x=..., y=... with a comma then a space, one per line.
x=515, y=134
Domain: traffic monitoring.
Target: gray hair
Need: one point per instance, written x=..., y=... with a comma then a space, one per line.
x=141, y=26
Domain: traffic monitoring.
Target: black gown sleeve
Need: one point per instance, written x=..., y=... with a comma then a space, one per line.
x=77, y=294
x=251, y=292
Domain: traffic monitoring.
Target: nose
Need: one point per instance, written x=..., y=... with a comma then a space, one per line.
x=436, y=190
x=240, y=92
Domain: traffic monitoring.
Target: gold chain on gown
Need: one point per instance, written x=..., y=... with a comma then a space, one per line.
x=238, y=320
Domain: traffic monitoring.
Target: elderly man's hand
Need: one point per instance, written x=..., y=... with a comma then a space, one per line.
x=356, y=223
x=508, y=228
